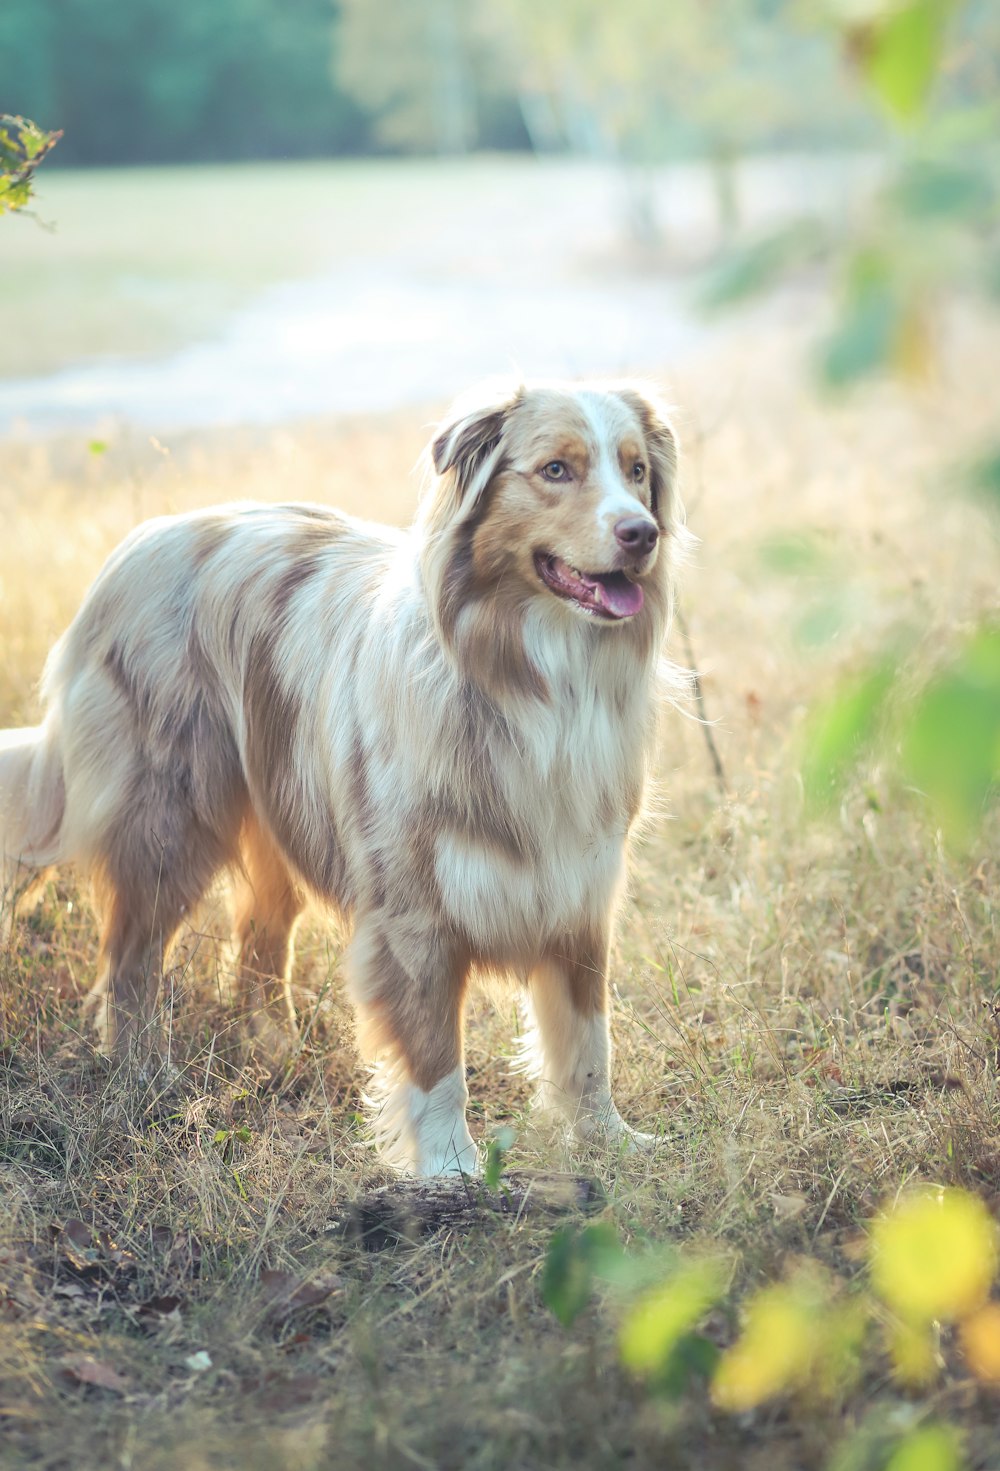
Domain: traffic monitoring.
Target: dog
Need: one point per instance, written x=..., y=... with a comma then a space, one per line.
x=443, y=733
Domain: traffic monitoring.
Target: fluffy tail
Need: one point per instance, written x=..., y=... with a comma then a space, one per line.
x=32, y=798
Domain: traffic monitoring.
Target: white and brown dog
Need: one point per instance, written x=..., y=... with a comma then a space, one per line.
x=443, y=733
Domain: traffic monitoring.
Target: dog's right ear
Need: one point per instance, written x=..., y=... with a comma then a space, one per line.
x=469, y=445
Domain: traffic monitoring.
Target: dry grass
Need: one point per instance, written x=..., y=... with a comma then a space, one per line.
x=801, y=1010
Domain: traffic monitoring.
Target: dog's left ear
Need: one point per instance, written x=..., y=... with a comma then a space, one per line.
x=469, y=443
x=661, y=442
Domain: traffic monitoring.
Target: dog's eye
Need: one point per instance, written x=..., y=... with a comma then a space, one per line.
x=638, y=472
x=556, y=470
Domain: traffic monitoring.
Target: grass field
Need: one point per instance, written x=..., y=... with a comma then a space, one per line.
x=802, y=1010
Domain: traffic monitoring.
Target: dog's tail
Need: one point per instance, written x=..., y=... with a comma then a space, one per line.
x=32, y=799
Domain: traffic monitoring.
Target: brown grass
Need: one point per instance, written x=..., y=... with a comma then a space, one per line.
x=801, y=1010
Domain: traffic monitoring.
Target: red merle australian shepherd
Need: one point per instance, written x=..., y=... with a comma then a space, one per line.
x=443, y=733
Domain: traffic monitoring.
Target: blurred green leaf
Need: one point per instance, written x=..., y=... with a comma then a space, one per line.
x=822, y=620
x=984, y=479
x=98, y=447
x=899, y=52
x=928, y=188
x=951, y=746
x=795, y=555
x=839, y=729
x=495, y=1151
x=575, y=1258
x=865, y=340
x=754, y=268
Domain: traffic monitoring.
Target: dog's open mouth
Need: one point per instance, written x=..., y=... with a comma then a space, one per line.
x=604, y=594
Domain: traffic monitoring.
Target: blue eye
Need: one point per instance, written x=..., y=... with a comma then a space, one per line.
x=556, y=470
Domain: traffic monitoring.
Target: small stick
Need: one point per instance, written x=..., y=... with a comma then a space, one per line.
x=699, y=696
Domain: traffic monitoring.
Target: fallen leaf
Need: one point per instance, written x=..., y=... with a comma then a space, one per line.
x=274, y=1393
x=160, y=1310
x=285, y=1293
x=85, y=1370
x=787, y=1207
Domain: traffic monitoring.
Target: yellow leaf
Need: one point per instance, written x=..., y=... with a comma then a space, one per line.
x=661, y=1317
x=914, y=1352
x=980, y=1338
x=931, y=1448
x=935, y=1255
x=776, y=1351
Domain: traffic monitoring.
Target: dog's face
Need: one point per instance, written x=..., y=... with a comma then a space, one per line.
x=558, y=493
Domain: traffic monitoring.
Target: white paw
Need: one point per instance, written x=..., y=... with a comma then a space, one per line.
x=457, y=1160
x=607, y=1126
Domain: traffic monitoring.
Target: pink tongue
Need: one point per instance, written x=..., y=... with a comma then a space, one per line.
x=620, y=597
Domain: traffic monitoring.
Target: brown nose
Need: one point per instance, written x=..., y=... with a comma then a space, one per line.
x=637, y=535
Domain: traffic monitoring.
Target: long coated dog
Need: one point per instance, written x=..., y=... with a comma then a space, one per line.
x=444, y=733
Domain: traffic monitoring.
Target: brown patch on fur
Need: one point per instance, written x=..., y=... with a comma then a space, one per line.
x=128, y=686
x=416, y=1014
x=492, y=652
x=273, y=721
x=185, y=805
x=268, y=905
x=464, y=447
x=305, y=553
x=367, y=818
x=210, y=534
x=582, y=959
x=662, y=447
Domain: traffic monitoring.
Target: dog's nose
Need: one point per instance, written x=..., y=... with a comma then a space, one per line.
x=637, y=535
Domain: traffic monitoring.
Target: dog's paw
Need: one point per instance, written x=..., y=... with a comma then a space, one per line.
x=609, y=1129
x=633, y=1141
x=454, y=1162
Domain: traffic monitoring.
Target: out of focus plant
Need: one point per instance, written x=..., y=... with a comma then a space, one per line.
x=23, y=146
x=927, y=231
x=928, y=222
x=809, y=1339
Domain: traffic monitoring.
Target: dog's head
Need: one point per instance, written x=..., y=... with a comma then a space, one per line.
x=556, y=493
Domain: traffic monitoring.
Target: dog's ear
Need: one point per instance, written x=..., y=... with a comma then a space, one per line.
x=469, y=444
x=661, y=442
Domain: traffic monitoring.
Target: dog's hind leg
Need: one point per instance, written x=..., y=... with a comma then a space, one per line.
x=140, y=915
x=268, y=906
x=154, y=866
x=568, y=994
x=408, y=985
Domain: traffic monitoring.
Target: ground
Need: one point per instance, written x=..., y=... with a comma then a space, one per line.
x=802, y=1009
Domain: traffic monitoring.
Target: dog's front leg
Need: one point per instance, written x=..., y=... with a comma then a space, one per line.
x=408, y=985
x=568, y=993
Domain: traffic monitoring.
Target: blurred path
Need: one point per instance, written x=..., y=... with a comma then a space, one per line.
x=523, y=267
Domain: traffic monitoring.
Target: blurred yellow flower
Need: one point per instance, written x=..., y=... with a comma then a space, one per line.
x=913, y=1348
x=980, y=1339
x=934, y=1255
x=790, y=1329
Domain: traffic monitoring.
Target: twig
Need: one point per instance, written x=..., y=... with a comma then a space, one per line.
x=699, y=696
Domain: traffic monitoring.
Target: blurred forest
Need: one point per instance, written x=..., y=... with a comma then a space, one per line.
x=158, y=81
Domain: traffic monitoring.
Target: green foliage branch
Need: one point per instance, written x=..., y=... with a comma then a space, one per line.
x=23, y=146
